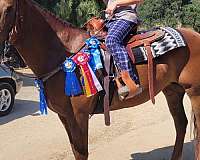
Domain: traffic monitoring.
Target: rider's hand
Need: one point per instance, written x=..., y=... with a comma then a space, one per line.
x=111, y=8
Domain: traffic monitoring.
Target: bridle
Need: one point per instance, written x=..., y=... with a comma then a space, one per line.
x=16, y=25
x=12, y=37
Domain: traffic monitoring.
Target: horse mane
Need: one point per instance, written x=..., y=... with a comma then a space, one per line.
x=51, y=17
x=64, y=30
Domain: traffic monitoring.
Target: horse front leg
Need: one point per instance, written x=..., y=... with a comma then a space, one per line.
x=174, y=94
x=77, y=129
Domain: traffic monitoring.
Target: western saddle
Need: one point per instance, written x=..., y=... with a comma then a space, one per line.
x=96, y=27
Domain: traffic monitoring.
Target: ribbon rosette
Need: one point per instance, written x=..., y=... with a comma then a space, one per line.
x=72, y=86
x=91, y=83
x=93, y=48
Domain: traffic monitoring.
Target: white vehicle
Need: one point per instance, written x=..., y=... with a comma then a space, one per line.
x=10, y=84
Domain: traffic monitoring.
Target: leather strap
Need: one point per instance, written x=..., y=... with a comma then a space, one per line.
x=147, y=45
x=106, y=88
x=130, y=53
x=103, y=46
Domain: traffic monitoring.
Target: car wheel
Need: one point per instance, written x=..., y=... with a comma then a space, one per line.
x=7, y=96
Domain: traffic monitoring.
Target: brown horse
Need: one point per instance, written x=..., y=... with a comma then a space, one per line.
x=43, y=41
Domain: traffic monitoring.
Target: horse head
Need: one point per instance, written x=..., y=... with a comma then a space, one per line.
x=7, y=18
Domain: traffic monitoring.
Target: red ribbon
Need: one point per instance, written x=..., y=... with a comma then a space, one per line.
x=81, y=59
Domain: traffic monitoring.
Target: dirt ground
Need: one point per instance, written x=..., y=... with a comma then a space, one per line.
x=145, y=132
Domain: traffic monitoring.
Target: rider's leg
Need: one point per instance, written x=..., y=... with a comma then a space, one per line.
x=117, y=32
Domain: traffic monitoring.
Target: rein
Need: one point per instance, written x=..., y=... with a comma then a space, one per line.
x=43, y=77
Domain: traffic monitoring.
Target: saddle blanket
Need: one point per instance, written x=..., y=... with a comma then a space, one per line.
x=171, y=40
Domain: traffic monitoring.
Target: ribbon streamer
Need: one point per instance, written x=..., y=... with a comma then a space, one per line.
x=43, y=103
x=94, y=49
x=81, y=59
x=72, y=85
x=96, y=81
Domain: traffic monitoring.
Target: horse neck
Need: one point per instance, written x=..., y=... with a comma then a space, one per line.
x=72, y=38
x=37, y=43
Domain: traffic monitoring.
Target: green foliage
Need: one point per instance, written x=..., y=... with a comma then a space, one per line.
x=152, y=12
x=49, y=4
x=63, y=9
x=78, y=11
x=160, y=12
x=191, y=15
x=171, y=13
x=87, y=9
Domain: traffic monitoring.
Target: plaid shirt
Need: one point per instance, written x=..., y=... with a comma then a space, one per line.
x=117, y=32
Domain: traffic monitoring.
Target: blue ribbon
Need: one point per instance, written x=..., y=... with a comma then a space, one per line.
x=43, y=102
x=91, y=60
x=72, y=85
x=94, y=49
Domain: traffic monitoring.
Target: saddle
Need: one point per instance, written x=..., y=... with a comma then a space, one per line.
x=96, y=27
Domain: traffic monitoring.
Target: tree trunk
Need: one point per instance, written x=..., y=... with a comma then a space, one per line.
x=73, y=15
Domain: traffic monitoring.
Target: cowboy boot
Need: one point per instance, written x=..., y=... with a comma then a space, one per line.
x=130, y=89
x=123, y=90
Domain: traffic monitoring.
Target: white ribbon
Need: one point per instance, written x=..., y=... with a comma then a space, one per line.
x=96, y=81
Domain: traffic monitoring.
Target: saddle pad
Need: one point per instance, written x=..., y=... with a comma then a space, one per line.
x=171, y=40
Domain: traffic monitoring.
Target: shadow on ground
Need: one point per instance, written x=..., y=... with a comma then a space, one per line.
x=157, y=154
x=28, y=82
x=22, y=108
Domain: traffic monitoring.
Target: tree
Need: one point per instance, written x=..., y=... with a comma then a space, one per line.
x=78, y=11
x=88, y=9
x=185, y=2
x=190, y=15
x=63, y=9
x=160, y=12
x=49, y=4
x=152, y=12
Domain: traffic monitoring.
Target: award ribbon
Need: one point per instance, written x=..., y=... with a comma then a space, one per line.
x=43, y=103
x=81, y=59
x=94, y=49
x=96, y=81
x=72, y=85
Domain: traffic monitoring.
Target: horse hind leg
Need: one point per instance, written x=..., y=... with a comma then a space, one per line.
x=194, y=95
x=174, y=94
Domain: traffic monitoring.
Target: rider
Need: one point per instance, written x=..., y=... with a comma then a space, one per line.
x=124, y=20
